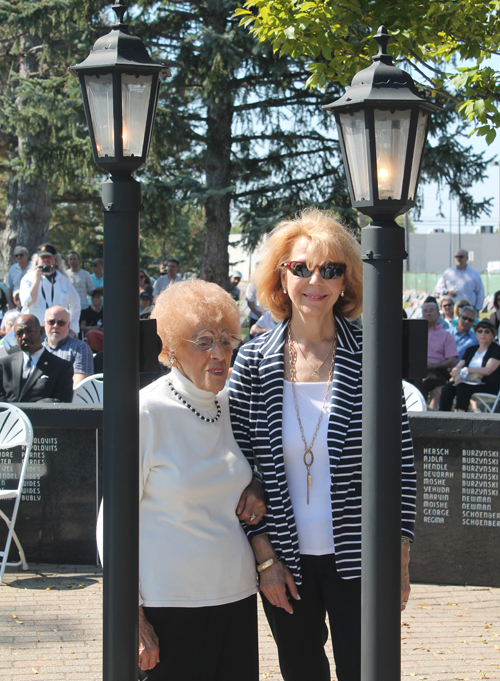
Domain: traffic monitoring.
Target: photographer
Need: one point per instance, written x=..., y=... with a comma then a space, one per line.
x=46, y=284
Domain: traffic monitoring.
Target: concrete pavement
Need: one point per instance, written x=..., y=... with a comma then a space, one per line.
x=50, y=628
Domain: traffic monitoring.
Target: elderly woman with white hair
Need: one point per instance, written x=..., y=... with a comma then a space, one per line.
x=197, y=612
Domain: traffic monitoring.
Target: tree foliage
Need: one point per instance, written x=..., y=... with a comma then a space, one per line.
x=447, y=42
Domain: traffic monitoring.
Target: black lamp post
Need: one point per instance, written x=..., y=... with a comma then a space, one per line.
x=382, y=124
x=120, y=86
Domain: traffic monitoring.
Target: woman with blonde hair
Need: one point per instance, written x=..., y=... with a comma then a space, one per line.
x=197, y=612
x=296, y=400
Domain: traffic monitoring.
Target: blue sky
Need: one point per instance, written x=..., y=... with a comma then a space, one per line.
x=490, y=188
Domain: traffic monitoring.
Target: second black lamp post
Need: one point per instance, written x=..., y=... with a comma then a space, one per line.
x=120, y=86
x=382, y=124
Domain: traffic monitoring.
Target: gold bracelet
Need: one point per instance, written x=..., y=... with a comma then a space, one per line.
x=267, y=563
x=405, y=541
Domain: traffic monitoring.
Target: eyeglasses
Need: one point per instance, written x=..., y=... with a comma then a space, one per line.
x=206, y=342
x=460, y=256
x=330, y=270
x=468, y=319
x=483, y=330
x=19, y=255
x=56, y=322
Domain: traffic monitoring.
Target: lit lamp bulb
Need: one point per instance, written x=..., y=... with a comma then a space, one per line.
x=385, y=188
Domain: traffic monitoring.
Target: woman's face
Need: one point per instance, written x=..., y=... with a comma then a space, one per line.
x=314, y=296
x=207, y=369
x=484, y=336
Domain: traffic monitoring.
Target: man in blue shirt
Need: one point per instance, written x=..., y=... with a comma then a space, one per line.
x=462, y=333
x=60, y=343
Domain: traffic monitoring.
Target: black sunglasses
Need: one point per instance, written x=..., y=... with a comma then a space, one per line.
x=330, y=270
x=468, y=319
x=58, y=322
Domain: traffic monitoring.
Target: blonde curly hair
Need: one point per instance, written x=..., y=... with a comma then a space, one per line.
x=185, y=305
x=329, y=241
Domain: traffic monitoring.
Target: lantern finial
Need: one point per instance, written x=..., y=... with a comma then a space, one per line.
x=382, y=38
x=119, y=9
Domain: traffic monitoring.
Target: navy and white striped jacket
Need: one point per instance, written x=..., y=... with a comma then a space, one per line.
x=256, y=403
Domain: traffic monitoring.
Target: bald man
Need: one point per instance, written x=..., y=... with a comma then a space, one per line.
x=462, y=281
x=60, y=343
x=34, y=375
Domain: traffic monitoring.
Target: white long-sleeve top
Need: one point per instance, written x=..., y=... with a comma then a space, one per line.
x=62, y=293
x=192, y=549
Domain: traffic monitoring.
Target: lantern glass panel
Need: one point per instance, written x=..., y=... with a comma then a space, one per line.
x=423, y=119
x=100, y=97
x=391, y=140
x=354, y=135
x=136, y=95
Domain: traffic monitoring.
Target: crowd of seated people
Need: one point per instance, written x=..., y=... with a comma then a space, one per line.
x=463, y=353
x=67, y=301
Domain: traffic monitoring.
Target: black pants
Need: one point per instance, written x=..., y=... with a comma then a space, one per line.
x=301, y=637
x=463, y=391
x=215, y=643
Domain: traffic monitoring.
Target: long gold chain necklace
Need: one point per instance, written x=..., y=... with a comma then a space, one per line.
x=315, y=373
x=308, y=457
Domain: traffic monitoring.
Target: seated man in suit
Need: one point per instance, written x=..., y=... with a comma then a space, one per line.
x=34, y=375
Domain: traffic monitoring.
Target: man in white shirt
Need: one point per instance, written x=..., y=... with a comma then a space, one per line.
x=462, y=281
x=171, y=277
x=16, y=273
x=80, y=278
x=46, y=285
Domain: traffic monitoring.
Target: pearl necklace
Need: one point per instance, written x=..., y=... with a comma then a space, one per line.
x=203, y=418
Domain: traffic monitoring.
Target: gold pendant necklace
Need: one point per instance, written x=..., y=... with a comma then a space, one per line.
x=315, y=373
x=308, y=457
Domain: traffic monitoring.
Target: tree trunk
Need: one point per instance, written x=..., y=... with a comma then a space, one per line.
x=215, y=259
x=27, y=217
x=27, y=213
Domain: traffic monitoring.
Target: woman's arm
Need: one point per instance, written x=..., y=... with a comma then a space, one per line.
x=276, y=579
x=491, y=366
x=251, y=506
x=29, y=296
x=455, y=372
x=149, y=650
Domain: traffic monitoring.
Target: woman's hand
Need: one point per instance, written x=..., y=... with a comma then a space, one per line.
x=149, y=650
x=274, y=580
x=273, y=583
x=405, y=576
x=251, y=506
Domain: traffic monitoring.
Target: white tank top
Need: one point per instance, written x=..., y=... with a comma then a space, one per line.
x=313, y=520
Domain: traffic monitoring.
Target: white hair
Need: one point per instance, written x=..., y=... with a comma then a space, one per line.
x=60, y=266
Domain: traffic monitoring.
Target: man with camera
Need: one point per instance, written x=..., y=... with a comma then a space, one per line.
x=46, y=284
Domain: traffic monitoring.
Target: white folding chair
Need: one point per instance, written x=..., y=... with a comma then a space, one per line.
x=89, y=391
x=414, y=399
x=486, y=400
x=15, y=431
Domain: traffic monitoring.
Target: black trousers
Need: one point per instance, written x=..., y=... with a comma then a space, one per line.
x=463, y=391
x=301, y=637
x=215, y=643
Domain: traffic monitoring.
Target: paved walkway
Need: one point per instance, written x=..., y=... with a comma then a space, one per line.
x=50, y=628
